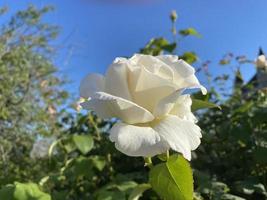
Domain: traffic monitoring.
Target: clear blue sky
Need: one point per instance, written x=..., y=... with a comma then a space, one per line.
x=94, y=32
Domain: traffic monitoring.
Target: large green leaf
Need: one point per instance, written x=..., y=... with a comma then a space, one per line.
x=83, y=142
x=199, y=104
x=173, y=180
x=23, y=191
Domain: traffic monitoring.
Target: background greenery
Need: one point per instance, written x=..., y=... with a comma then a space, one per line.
x=48, y=150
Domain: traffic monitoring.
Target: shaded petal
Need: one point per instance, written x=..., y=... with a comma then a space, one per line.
x=90, y=84
x=182, y=108
x=107, y=106
x=176, y=104
x=116, y=79
x=148, y=89
x=192, y=82
x=166, y=104
x=136, y=140
x=182, y=135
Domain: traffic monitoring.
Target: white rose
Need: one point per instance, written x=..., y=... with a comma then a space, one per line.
x=145, y=93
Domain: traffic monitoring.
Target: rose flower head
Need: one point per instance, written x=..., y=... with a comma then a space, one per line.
x=146, y=93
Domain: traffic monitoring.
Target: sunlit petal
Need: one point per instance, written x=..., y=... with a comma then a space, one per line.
x=136, y=140
x=107, y=106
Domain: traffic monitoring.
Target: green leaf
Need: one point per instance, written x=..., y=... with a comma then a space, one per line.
x=189, y=57
x=69, y=145
x=99, y=162
x=111, y=195
x=79, y=167
x=83, y=142
x=115, y=191
x=126, y=185
x=169, y=47
x=7, y=192
x=224, y=62
x=82, y=166
x=244, y=108
x=173, y=179
x=199, y=104
x=189, y=31
x=23, y=191
x=138, y=191
x=157, y=45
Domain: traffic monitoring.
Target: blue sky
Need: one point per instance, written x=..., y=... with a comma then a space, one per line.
x=94, y=32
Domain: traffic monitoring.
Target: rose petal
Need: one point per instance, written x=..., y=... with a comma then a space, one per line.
x=153, y=65
x=179, y=66
x=176, y=104
x=106, y=106
x=172, y=132
x=182, y=108
x=90, y=84
x=184, y=73
x=148, y=89
x=192, y=82
x=136, y=140
x=166, y=104
x=182, y=135
x=116, y=79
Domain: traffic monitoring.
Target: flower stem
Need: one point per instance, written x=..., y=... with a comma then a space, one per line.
x=148, y=162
